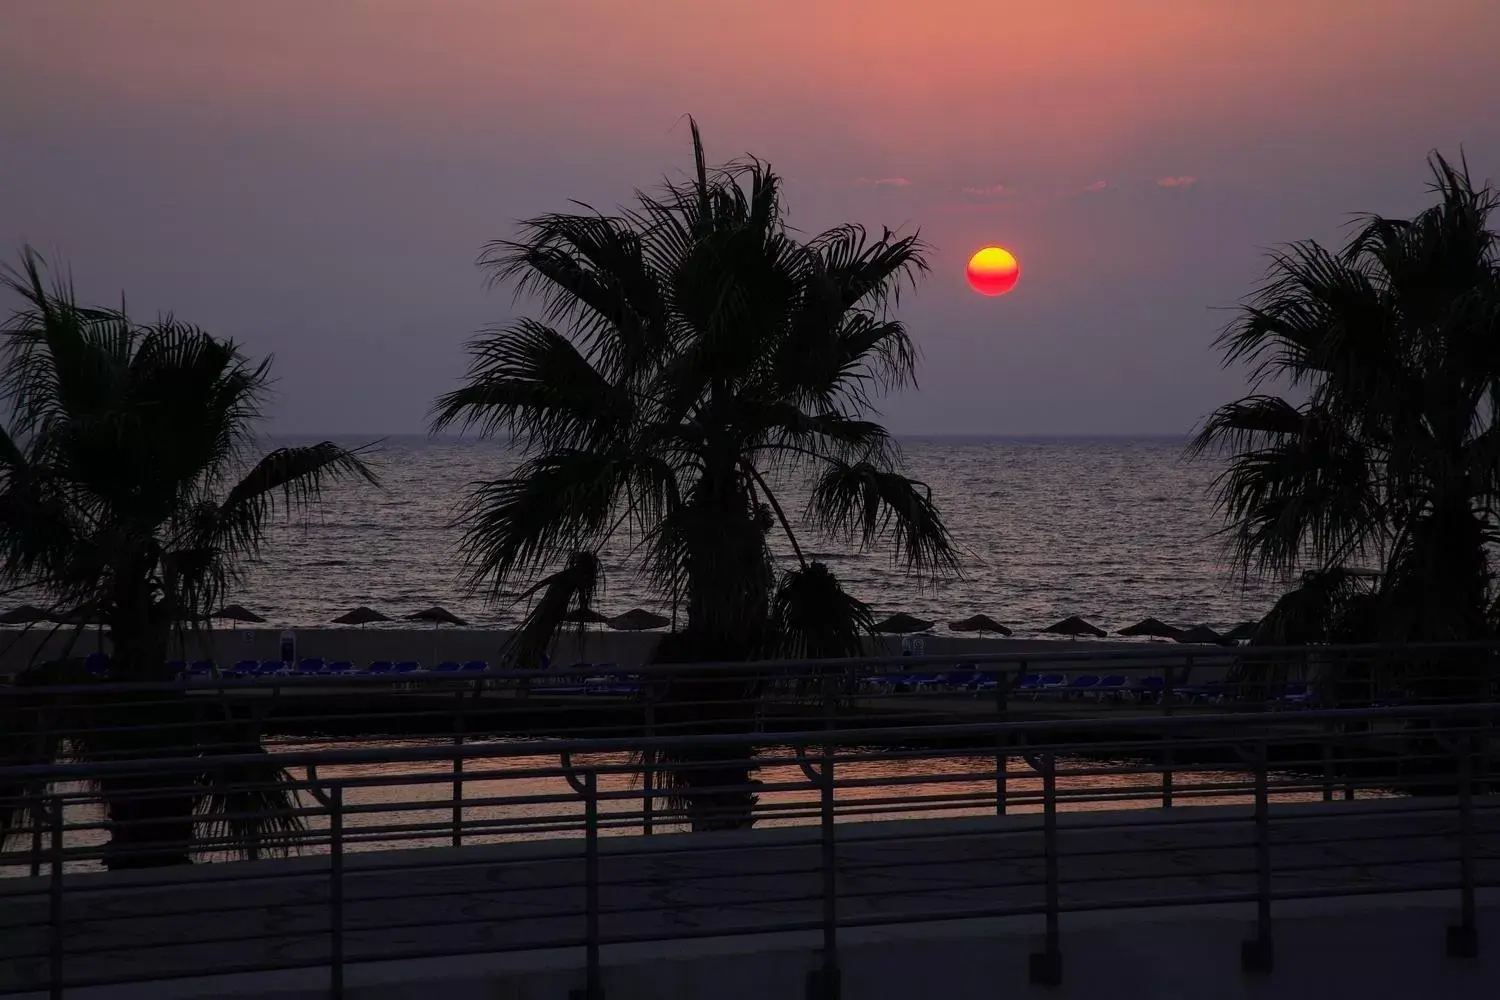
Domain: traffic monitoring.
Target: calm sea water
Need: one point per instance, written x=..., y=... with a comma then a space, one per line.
x=1113, y=530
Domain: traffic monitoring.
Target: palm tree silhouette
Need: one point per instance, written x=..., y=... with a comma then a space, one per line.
x=127, y=488
x=693, y=356
x=1384, y=456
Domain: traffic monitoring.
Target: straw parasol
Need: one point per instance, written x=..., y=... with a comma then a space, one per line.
x=1201, y=634
x=902, y=623
x=584, y=616
x=361, y=616
x=978, y=623
x=26, y=614
x=638, y=620
x=438, y=616
x=239, y=613
x=1073, y=625
x=1154, y=627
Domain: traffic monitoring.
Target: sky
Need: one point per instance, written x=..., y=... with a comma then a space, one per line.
x=316, y=180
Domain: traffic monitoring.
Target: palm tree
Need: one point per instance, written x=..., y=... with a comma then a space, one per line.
x=127, y=488
x=693, y=356
x=1387, y=456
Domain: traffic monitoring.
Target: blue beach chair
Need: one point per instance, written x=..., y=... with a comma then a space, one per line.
x=1083, y=684
x=1111, y=686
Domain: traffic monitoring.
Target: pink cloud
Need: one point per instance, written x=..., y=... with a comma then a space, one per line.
x=993, y=191
x=966, y=207
x=898, y=182
x=1096, y=186
x=1176, y=182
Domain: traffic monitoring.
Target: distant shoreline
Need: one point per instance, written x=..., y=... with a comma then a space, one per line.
x=934, y=438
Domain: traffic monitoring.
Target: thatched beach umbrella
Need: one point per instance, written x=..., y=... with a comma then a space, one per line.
x=1201, y=634
x=361, y=616
x=438, y=616
x=1154, y=627
x=902, y=623
x=584, y=616
x=980, y=624
x=26, y=614
x=638, y=620
x=239, y=613
x=1073, y=625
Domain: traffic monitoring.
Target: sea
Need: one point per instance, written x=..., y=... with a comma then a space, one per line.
x=1111, y=529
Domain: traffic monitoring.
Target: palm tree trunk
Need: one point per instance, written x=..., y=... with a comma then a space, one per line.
x=728, y=610
x=1443, y=584
x=150, y=812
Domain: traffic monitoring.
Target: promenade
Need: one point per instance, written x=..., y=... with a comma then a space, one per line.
x=216, y=919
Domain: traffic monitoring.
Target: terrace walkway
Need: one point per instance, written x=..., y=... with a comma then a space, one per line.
x=482, y=900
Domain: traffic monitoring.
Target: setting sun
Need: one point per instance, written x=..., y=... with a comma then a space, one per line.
x=993, y=271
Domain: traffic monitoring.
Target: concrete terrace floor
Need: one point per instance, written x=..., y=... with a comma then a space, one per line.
x=486, y=914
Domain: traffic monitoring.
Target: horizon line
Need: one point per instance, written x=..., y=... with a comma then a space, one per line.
x=914, y=436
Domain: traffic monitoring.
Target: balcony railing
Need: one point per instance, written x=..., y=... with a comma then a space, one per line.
x=871, y=805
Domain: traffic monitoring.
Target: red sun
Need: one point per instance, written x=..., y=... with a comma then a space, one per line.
x=993, y=271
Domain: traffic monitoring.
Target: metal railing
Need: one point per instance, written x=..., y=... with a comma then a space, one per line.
x=550, y=860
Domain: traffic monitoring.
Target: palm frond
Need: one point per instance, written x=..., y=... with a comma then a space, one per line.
x=532, y=383
x=550, y=506
x=567, y=592
x=814, y=617
x=288, y=480
x=861, y=503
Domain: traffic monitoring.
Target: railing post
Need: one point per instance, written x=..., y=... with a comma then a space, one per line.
x=336, y=891
x=1328, y=762
x=1168, y=695
x=1256, y=954
x=458, y=777
x=648, y=774
x=1463, y=937
x=38, y=812
x=593, y=988
x=55, y=892
x=1002, y=741
x=1045, y=966
x=823, y=982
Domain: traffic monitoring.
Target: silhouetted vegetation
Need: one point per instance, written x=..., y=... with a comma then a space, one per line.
x=1371, y=485
x=691, y=354
x=128, y=492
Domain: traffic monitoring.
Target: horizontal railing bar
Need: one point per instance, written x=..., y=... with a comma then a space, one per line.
x=467, y=751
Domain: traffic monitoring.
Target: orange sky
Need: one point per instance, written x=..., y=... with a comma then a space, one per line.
x=432, y=123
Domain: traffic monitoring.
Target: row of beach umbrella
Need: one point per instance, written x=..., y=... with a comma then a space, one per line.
x=635, y=620
x=641, y=620
x=905, y=624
